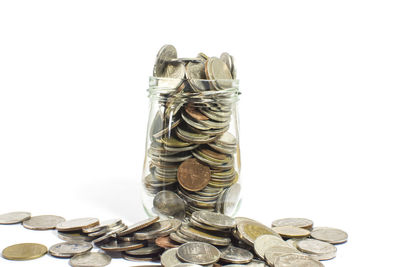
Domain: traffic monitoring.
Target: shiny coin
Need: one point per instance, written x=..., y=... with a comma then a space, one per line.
x=292, y=241
x=296, y=260
x=14, y=217
x=236, y=255
x=109, y=237
x=151, y=249
x=153, y=231
x=169, y=258
x=115, y=229
x=186, y=59
x=121, y=246
x=77, y=224
x=249, y=231
x=166, y=242
x=69, y=249
x=198, y=253
x=43, y=222
x=24, y=251
x=291, y=231
x=108, y=224
x=317, y=249
x=263, y=242
x=214, y=219
x=231, y=198
x=330, y=235
x=297, y=222
x=90, y=259
x=196, y=75
x=219, y=72
x=168, y=203
x=166, y=53
x=192, y=175
x=172, y=76
x=140, y=225
x=204, y=236
x=272, y=253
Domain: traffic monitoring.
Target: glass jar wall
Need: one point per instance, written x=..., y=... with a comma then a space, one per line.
x=192, y=159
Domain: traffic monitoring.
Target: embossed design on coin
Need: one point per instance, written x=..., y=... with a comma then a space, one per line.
x=317, y=249
x=296, y=260
x=43, y=222
x=14, y=217
x=330, y=235
x=90, y=259
x=24, y=251
x=139, y=225
x=169, y=258
x=77, y=224
x=198, y=253
x=192, y=175
x=236, y=255
x=264, y=242
x=289, y=231
x=168, y=203
x=272, y=253
x=69, y=249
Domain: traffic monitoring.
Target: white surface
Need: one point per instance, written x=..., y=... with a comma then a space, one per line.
x=319, y=111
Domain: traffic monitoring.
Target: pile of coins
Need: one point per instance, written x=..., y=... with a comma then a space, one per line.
x=193, y=160
x=208, y=239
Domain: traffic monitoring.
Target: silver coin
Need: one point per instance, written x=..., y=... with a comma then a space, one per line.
x=110, y=235
x=263, y=242
x=153, y=231
x=196, y=75
x=236, y=255
x=77, y=224
x=187, y=265
x=292, y=241
x=166, y=53
x=198, y=253
x=127, y=257
x=151, y=249
x=330, y=235
x=289, y=231
x=219, y=73
x=169, y=258
x=69, y=249
x=74, y=236
x=118, y=246
x=317, y=249
x=186, y=59
x=43, y=222
x=204, y=236
x=272, y=253
x=90, y=259
x=14, y=217
x=217, y=220
x=168, y=203
x=297, y=222
x=177, y=238
x=103, y=225
x=232, y=196
x=296, y=260
x=173, y=76
x=139, y=225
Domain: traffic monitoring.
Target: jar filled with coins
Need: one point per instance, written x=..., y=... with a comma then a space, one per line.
x=192, y=159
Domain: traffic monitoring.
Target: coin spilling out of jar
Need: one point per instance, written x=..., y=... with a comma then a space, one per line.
x=192, y=160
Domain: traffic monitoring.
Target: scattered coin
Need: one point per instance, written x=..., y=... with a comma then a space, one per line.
x=74, y=236
x=169, y=258
x=249, y=231
x=296, y=260
x=43, y=222
x=317, y=249
x=140, y=258
x=236, y=255
x=216, y=220
x=198, y=253
x=14, y=217
x=289, y=231
x=263, y=242
x=149, y=250
x=204, y=237
x=272, y=253
x=153, y=231
x=24, y=251
x=119, y=246
x=108, y=224
x=166, y=242
x=77, y=224
x=69, y=249
x=140, y=225
x=192, y=175
x=90, y=259
x=330, y=235
x=297, y=222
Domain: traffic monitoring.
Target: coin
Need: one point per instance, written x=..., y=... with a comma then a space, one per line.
x=166, y=53
x=188, y=265
x=178, y=238
x=121, y=246
x=166, y=242
x=196, y=75
x=219, y=73
x=139, y=225
x=272, y=253
x=43, y=222
x=90, y=259
x=149, y=250
x=74, y=236
x=14, y=217
x=249, y=231
x=192, y=175
x=168, y=203
x=217, y=220
x=298, y=222
x=330, y=235
x=77, y=224
x=231, y=198
x=198, y=253
x=296, y=260
x=263, y=242
x=289, y=231
x=204, y=236
x=317, y=249
x=195, y=113
x=24, y=251
x=69, y=249
x=127, y=257
x=108, y=224
x=169, y=258
x=153, y=231
x=236, y=255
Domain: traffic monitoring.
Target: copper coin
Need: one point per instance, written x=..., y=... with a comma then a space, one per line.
x=166, y=242
x=194, y=113
x=192, y=175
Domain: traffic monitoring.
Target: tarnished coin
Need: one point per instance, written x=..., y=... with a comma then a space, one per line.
x=236, y=255
x=140, y=225
x=317, y=249
x=69, y=249
x=14, y=217
x=330, y=235
x=198, y=253
x=291, y=231
x=24, y=251
x=297, y=222
x=168, y=203
x=121, y=246
x=166, y=53
x=43, y=222
x=166, y=242
x=169, y=258
x=249, y=231
x=214, y=219
x=204, y=237
x=296, y=260
x=153, y=231
x=272, y=253
x=192, y=175
x=149, y=250
x=90, y=259
x=263, y=242
x=77, y=224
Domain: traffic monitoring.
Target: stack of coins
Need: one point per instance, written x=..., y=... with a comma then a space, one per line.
x=208, y=238
x=191, y=150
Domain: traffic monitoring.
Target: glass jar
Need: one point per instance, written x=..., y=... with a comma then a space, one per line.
x=192, y=159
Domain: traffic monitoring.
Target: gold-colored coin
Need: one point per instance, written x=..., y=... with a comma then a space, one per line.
x=24, y=251
x=249, y=231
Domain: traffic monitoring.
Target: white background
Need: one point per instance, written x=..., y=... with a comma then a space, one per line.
x=319, y=110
